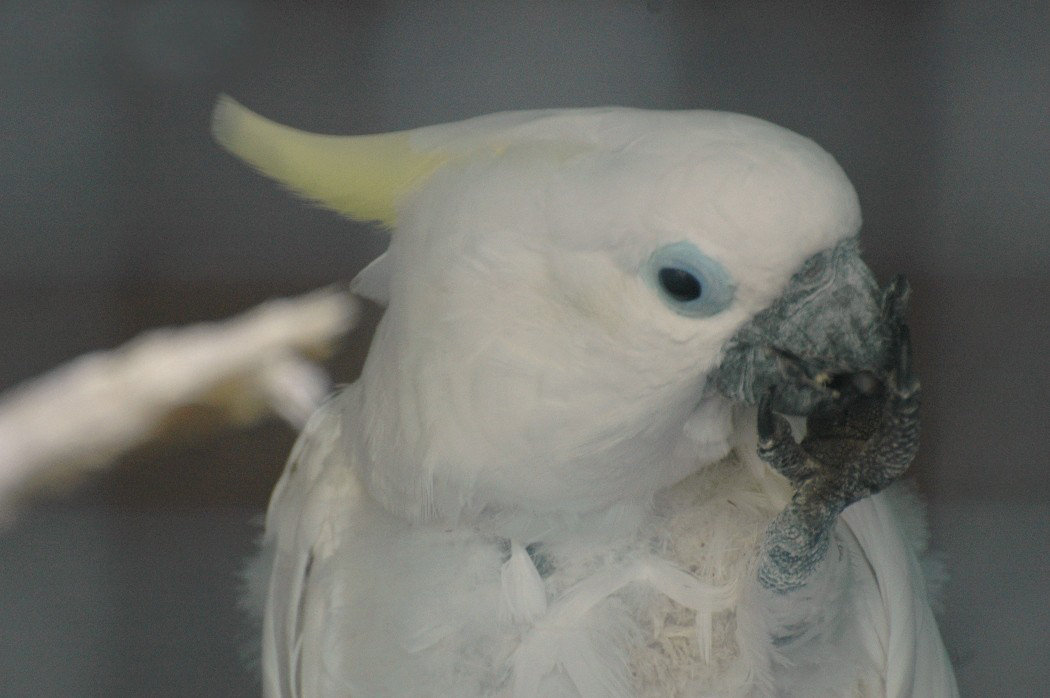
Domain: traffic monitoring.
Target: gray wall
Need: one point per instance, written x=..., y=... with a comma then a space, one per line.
x=118, y=214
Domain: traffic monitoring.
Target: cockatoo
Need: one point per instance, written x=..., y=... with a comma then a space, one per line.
x=627, y=427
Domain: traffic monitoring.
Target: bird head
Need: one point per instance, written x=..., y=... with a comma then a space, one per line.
x=576, y=299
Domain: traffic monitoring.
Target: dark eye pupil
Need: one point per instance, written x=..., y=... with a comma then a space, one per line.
x=680, y=284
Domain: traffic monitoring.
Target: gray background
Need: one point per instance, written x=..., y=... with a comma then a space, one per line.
x=118, y=215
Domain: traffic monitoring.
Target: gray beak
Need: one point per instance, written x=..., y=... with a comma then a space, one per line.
x=831, y=334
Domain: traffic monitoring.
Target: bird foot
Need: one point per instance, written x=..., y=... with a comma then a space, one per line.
x=859, y=440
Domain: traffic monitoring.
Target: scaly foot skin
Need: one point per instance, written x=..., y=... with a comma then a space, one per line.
x=859, y=442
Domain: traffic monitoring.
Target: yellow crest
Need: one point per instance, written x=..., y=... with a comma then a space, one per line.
x=362, y=177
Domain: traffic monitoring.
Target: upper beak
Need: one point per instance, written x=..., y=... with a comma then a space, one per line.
x=829, y=335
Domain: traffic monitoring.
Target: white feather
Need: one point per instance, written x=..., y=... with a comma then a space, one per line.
x=909, y=644
x=373, y=282
x=524, y=596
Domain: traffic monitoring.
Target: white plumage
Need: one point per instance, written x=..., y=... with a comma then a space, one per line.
x=538, y=488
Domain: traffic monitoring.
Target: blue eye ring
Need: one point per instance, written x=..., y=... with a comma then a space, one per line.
x=688, y=281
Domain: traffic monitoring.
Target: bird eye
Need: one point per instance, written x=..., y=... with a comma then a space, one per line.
x=688, y=281
x=680, y=284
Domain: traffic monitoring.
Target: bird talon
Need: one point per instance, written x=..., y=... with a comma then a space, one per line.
x=903, y=375
x=895, y=301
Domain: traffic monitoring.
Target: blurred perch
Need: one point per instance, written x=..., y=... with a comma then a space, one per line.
x=87, y=412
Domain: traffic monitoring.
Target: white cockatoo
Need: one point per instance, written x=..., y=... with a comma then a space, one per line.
x=567, y=469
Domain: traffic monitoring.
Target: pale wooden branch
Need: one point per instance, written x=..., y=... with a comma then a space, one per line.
x=87, y=412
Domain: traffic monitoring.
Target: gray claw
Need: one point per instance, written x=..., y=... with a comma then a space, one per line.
x=777, y=445
x=903, y=375
x=895, y=300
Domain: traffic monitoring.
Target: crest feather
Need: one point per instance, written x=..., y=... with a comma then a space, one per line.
x=361, y=177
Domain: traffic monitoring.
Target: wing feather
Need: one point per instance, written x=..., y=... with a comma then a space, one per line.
x=302, y=524
x=905, y=638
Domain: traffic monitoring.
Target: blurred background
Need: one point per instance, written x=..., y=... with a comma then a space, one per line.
x=119, y=214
